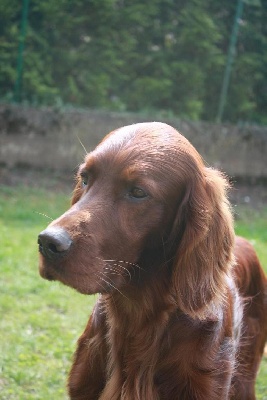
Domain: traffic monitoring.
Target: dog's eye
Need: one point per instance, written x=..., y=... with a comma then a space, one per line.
x=137, y=193
x=84, y=180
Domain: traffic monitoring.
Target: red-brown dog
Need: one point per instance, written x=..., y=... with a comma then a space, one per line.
x=182, y=311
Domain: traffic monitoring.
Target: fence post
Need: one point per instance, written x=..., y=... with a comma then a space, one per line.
x=230, y=59
x=24, y=20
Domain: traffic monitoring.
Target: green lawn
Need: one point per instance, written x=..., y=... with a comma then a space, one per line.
x=40, y=320
x=253, y=225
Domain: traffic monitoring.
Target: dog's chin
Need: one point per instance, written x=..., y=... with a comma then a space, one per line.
x=46, y=273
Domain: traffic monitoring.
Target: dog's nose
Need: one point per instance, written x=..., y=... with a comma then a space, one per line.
x=54, y=242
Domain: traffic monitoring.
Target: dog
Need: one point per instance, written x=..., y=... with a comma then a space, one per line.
x=182, y=307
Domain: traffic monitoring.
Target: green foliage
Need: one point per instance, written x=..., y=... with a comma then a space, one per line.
x=40, y=320
x=166, y=55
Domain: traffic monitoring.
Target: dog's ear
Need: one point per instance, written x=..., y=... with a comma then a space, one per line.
x=204, y=254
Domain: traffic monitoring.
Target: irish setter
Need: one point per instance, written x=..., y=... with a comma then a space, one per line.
x=182, y=307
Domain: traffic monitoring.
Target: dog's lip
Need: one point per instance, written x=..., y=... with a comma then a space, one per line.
x=49, y=277
x=46, y=272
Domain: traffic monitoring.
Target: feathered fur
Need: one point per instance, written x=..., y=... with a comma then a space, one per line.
x=182, y=310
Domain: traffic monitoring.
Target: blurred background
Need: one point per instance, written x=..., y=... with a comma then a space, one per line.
x=70, y=72
x=173, y=56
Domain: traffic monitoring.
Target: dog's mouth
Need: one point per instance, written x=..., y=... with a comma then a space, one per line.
x=45, y=271
x=46, y=275
x=62, y=259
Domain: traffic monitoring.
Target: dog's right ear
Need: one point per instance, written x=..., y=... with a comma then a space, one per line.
x=204, y=246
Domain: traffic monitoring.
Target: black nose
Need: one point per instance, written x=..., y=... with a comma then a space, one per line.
x=54, y=242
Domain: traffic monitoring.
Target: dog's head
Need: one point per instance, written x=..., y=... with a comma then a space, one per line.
x=144, y=201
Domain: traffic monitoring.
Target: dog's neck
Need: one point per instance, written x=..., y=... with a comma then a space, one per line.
x=141, y=303
x=133, y=319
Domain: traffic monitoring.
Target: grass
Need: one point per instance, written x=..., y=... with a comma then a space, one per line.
x=253, y=225
x=41, y=321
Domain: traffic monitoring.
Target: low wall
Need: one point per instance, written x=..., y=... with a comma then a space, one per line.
x=49, y=139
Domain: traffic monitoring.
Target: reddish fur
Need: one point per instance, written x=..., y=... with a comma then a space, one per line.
x=168, y=324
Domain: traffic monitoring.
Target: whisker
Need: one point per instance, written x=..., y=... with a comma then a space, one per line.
x=121, y=267
x=44, y=215
x=113, y=271
x=119, y=262
x=81, y=143
x=107, y=277
x=100, y=284
x=110, y=284
x=123, y=261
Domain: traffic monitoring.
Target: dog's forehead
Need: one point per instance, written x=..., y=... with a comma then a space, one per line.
x=147, y=137
x=144, y=147
x=117, y=140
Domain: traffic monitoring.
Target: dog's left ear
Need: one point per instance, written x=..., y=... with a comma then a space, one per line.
x=204, y=254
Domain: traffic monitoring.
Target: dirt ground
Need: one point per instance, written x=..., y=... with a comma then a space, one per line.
x=251, y=195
